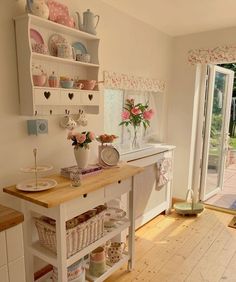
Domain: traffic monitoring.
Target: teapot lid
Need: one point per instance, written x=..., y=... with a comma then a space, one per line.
x=88, y=11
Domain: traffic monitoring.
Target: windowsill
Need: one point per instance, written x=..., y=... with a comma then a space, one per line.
x=146, y=150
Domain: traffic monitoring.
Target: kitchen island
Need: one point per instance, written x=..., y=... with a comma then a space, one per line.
x=65, y=202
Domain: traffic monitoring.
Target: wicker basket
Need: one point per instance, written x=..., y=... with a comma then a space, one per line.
x=77, y=237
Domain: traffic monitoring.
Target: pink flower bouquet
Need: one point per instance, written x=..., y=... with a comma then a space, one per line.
x=136, y=114
x=81, y=139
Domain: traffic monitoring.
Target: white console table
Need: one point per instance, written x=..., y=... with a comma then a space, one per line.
x=65, y=202
x=149, y=200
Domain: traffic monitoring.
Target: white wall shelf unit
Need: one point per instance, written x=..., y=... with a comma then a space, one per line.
x=48, y=100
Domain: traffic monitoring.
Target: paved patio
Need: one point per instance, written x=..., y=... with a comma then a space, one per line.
x=227, y=197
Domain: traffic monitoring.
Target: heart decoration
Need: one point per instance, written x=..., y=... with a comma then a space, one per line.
x=90, y=97
x=71, y=96
x=47, y=94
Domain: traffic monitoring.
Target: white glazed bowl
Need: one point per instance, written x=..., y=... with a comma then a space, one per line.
x=86, y=58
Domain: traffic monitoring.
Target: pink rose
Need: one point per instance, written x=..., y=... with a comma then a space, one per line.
x=148, y=114
x=135, y=111
x=80, y=138
x=91, y=136
x=125, y=115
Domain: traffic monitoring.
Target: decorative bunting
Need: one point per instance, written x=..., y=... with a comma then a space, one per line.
x=115, y=80
x=223, y=54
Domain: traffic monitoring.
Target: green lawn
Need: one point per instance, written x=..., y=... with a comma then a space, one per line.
x=233, y=142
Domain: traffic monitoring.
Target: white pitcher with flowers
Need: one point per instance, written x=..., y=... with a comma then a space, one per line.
x=81, y=141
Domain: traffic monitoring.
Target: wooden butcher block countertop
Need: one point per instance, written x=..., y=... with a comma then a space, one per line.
x=9, y=218
x=63, y=192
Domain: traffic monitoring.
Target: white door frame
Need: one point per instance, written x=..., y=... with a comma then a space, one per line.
x=199, y=117
x=202, y=143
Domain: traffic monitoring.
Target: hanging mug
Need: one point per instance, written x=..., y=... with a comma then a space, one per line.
x=68, y=122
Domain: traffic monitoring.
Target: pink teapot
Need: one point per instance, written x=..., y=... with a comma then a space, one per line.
x=66, y=20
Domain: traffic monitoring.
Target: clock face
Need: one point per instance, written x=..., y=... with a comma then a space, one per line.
x=110, y=156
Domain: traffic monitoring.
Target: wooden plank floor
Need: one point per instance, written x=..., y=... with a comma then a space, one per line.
x=191, y=249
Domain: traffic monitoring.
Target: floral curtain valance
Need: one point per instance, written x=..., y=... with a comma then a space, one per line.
x=223, y=54
x=115, y=80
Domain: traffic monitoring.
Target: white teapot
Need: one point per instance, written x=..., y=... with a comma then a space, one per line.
x=38, y=8
x=88, y=24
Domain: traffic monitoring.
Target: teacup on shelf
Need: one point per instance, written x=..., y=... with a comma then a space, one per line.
x=86, y=58
x=39, y=80
x=67, y=83
x=78, y=85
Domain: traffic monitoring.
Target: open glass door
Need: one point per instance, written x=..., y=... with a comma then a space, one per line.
x=215, y=145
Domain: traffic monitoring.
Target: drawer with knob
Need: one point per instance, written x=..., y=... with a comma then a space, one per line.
x=90, y=98
x=70, y=97
x=121, y=187
x=46, y=96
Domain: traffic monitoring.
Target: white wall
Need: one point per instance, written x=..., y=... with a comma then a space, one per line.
x=181, y=100
x=127, y=45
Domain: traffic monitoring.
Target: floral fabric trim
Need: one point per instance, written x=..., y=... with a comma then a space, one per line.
x=223, y=54
x=115, y=80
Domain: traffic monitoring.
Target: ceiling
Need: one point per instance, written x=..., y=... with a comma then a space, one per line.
x=179, y=17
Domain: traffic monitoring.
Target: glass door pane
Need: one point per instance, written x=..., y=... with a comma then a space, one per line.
x=216, y=133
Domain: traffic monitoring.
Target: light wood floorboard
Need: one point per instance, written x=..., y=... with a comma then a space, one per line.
x=191, y=249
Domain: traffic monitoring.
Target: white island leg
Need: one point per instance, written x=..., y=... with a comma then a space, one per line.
x=132, y=227
x=61, y=243
x=27, y=231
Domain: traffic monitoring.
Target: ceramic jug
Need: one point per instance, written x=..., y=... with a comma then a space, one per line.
x=88, y=24
x=66, y=51
x=97, y=264
x=38, y=8
x=115, y=251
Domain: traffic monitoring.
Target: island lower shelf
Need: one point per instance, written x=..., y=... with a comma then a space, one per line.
x=38, y=250
x=109, y=270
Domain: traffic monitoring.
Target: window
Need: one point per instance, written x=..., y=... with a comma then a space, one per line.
x=113, y=106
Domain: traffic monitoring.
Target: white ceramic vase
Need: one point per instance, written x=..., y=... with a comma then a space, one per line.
x=81, y=156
